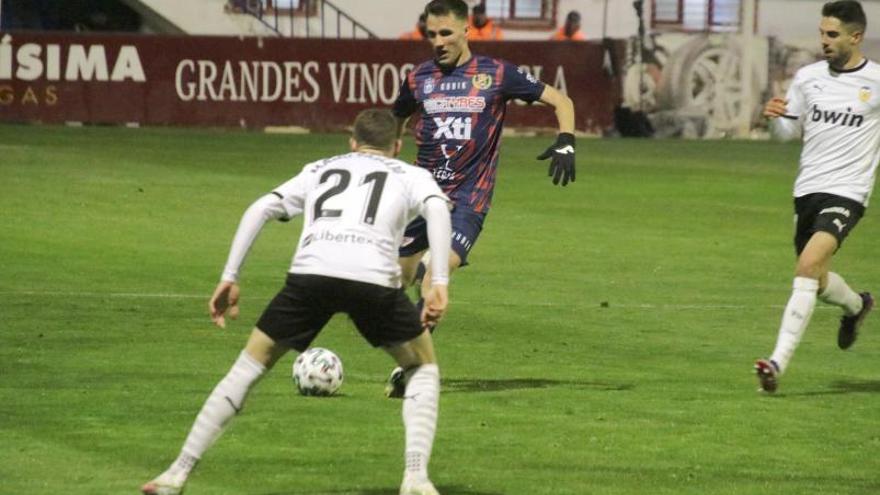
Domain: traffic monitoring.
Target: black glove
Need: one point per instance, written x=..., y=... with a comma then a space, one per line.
x=562, y=164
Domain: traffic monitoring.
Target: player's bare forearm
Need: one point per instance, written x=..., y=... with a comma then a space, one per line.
x=436, y=302
x=562, y=105
x=223, y=301
x=774, y=108
x=561, y=153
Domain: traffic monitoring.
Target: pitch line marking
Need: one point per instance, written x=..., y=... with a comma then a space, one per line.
x=172, y=295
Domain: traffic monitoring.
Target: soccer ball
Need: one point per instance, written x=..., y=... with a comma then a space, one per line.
x=317, y=371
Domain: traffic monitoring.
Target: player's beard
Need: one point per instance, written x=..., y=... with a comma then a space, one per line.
x=438, y=59
x=838, y=60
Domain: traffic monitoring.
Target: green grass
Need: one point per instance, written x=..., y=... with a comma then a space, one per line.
x=600, y=343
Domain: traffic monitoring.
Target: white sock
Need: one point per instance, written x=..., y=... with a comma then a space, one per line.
x=840, y=294
x=225, y=401
x=420, y=405
x=795, y=319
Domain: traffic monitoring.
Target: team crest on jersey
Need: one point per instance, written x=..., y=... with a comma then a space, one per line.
x=428, y=88
x=482, y=81
x=864, y=94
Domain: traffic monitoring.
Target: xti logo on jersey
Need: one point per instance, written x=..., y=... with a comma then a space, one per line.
x=453, y=128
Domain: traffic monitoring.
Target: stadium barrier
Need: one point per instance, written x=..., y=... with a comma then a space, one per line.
x=258, y=82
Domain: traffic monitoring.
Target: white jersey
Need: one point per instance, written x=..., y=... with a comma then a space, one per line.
x=840, y=115
x=355, y=207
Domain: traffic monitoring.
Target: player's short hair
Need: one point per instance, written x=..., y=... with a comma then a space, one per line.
x=375, y=128
x=849, y=12
x=456, y=8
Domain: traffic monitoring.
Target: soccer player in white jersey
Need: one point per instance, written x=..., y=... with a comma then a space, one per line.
x=835, y=105
x=355, y=209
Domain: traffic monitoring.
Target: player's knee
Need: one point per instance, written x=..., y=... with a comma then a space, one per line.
x=407, y=278
x=415, y=352
x=454, y=260
x=409, y=268
x=810, y=266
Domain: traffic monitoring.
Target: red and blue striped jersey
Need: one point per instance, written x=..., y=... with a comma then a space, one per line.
x=462, y=112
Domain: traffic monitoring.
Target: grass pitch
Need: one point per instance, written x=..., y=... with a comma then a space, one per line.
x=600, y=343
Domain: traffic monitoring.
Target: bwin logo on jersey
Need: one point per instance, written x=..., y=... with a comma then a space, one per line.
x=845, y=119
x=453, y=128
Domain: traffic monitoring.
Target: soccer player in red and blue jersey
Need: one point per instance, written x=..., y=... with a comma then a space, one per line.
x=462, y=100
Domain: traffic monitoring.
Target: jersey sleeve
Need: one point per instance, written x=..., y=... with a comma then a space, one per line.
x=795, y=100
x=423, y=186
x=789, y=126
x=293, y=194
x=406, y=103
x=519, y=84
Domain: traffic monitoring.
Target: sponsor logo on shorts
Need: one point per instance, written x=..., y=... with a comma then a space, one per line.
x=836, y=209
x=840, y=225
x=463, y=240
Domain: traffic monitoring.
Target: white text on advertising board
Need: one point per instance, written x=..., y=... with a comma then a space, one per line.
x=289, y=81
x=75, y=62
x=41, y=65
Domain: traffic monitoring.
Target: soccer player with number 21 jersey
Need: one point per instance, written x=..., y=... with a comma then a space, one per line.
x=355, y=207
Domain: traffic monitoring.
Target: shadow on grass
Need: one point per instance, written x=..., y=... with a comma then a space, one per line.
x=845, y=387
x=470, y=385
x=444, y=489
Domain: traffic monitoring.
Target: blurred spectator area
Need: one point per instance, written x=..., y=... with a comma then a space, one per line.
x=696, y=15
x=523, y=14
x=269, y=5
x=303, y=18
x=68, y=15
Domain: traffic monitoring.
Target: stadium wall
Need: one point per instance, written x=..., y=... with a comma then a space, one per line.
x=257, y=82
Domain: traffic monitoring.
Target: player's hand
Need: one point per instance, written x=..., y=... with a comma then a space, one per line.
x=436, y=301
x=776, y=107
x=562, y=162
x=224, y=301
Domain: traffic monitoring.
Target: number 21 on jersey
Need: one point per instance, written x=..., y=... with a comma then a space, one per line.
x=374, y=183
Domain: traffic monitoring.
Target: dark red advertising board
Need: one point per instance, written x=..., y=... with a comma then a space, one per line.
x=257, y=82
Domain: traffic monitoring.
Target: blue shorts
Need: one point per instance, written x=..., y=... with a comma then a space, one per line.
x=466, y=227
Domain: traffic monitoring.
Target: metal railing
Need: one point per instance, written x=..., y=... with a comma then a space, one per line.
x=303, y=18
